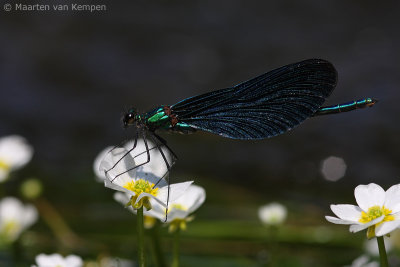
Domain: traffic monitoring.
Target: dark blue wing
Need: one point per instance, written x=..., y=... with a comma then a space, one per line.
x=265, y=106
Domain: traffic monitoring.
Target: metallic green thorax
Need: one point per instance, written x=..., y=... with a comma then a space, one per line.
x=159, y=118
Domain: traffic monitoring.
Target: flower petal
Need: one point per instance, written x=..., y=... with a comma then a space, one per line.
x=108, y=184
x=117, y=187
x=193, y=197
x=73, y=261
x=392, y=201
x=175, y=191
x=176, y=214
x=337, y=220
x=119, y=166
x=157, y=211
x=347, y=212
x=99, y=172
x=49, y=260
x=358, y=227
x=386, y=227
x=369, y=195
x=157, y=166
x=43, y=260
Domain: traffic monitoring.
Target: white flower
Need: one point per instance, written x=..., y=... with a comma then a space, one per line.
x=377, y=210
x=272, y=214
x=178, y=209
x=183, y=206
x=14, y=218
x=15, y=152
x=56, y=260
x=142, y=186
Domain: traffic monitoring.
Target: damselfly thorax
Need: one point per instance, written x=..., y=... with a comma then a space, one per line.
x=162, y=118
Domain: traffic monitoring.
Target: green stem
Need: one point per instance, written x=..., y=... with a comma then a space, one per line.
x=273, y=246
x=159, y=257
x=382, y=251
x=175, y=260
x=140, y=233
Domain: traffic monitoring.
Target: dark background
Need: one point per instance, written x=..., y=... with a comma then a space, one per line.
x=66, y=77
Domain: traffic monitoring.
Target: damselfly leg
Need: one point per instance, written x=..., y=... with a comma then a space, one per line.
x=159, y=144
x=124, y=155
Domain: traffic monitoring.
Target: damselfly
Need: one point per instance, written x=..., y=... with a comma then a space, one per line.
x=265, y=106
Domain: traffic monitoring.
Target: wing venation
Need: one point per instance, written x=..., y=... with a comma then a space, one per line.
x=265, y=106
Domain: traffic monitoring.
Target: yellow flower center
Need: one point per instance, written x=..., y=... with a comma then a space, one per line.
x=4, y=165
x=376, y=212
x=373, y=213
x=138, y=187
x=141, y=186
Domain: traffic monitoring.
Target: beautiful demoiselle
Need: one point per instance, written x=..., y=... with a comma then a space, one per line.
x=263, y=107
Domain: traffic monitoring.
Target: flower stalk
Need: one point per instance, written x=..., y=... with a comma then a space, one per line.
x=175, y=260
x=382, y=251
x=140, y=232
x=159, y=257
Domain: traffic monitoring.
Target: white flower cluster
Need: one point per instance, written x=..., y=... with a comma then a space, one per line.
x=56, y=260
x=15, y=217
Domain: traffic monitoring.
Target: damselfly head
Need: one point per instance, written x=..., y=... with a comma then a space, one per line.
x=129, y=118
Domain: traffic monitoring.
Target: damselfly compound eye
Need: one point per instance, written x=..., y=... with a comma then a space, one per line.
x=129, y=118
